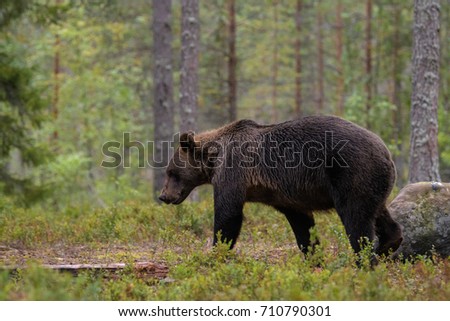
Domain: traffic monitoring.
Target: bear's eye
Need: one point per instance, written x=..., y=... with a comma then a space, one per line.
x=175, y=176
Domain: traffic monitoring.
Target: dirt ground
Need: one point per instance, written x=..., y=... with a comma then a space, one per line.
x=19, y=256
x=75, y=259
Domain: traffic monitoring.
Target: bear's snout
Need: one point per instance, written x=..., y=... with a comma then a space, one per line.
x=163, y=198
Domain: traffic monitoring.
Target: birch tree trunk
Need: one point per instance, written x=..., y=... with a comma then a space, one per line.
x=163, y=89
x=424, y=156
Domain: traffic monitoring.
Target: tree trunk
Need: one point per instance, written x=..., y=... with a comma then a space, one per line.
x=189, y=65
x=190, y=37
x=232, y=61
x=298, y=59
x=320, y=60
x=396, y=67
x=56, y=85
x=163, y=89
x=396, y=96
x=368, y=58
x=339, y=62
x=424, y=156
x=275, y=63
x=445, y=61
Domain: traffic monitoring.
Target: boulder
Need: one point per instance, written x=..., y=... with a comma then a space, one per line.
x=423, y=211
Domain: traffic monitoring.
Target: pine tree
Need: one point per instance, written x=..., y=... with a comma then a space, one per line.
x=424, y=156
x=189, y=65
x=163, y=108
x=21, y=110
x=232, y=61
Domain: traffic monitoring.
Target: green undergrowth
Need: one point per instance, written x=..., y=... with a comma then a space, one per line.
x=126, y=222
x=265, y=265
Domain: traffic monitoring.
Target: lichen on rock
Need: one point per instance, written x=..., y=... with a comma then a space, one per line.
x=423, y=211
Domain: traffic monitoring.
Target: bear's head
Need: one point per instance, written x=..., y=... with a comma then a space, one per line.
x=186, y=170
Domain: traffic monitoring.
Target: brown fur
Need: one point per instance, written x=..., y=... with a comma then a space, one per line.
x=355, y=179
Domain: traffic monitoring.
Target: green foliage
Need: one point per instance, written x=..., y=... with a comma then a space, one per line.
x=36, y=283
x=104, y=87
x=21, y=113
x=444, y=143
x=21, y=106
x=10, y=10
x=266, y=265
x=99, y=94
x=128, y=222
x=380, y=111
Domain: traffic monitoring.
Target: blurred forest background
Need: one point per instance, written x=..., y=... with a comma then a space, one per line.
x=77, y=74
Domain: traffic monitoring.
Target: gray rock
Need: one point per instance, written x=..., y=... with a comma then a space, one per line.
x=423, y=211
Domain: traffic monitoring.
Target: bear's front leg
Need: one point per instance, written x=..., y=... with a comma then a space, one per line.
x=228, y=216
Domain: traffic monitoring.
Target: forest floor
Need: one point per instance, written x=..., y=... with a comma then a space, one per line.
x=59, y=255
x=265, y=265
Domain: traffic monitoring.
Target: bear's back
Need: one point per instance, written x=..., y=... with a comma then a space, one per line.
x=311, y=155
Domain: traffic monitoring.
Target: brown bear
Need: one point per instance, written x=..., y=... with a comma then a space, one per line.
x=299, y=166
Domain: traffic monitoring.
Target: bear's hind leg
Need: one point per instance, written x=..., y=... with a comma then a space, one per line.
x=301, y=223
x=359, y=224
x=388, y=231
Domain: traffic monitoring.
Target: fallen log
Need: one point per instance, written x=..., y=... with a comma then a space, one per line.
x=150, y=269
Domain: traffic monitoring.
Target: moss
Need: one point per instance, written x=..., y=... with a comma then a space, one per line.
x=424, y=214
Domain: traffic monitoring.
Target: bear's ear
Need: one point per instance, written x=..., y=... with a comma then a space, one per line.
x=187, y=141
x=213, y=150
